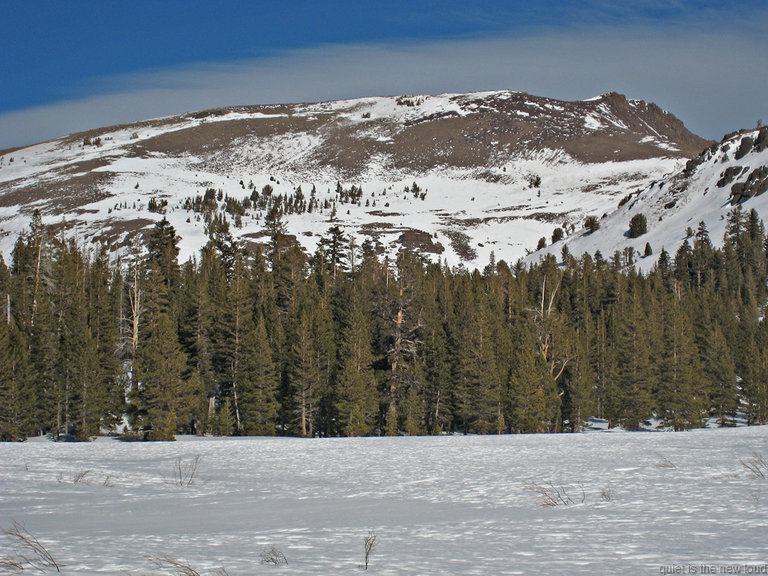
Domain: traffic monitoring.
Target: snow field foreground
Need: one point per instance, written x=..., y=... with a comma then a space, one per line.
x=629, y=503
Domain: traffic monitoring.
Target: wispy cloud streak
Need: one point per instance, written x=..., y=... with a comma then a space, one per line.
x=714, y=79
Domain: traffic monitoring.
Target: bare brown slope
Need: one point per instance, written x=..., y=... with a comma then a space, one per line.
x=489, y=129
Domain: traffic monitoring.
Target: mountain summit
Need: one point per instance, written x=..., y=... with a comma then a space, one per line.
x=455, y=175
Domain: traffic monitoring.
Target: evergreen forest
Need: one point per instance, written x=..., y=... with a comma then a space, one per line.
x=265, y=339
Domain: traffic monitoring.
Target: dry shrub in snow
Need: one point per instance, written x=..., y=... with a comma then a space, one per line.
x=273, y=556
x=182, y=568
x=81, y=477
x=28, y=552
x=185, y=472
x=554, y=496
x=757, y=466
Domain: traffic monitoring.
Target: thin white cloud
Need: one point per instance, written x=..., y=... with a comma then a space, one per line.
x=714, y=80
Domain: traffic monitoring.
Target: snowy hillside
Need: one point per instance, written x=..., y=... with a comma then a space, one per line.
x=494, y=171
x=733, y=172
x=643, y=503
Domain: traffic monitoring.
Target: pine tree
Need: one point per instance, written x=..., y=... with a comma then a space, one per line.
x=162, y=248
x=10, y=402
x=604, y=367
x=163, y=400
x=402, y=334
x=305, y=377
x=103, y=320
x=43, y=351
x=634, y=372
x=753, y=372
x=721, y=375
x=702, y=255
x=349, y=346
x=333, y=249
x=239, y=318
x=477, y=375
x=324, y=333
x=437, y=313
x=533, y=392
x=258, y=381
x=166, y=398
x=579, y=393
x=13, y=368
x=681, y=401
x=76, y=362
x=215, y=322
x=466, y=371
x=357, y=404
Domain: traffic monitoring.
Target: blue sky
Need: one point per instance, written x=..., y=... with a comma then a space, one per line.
x=75, y=65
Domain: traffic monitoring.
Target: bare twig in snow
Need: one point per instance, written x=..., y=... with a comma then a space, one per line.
x=186, y=472
x=664, y=462
x=369, y=543
x=81, y=477
x=583, y=493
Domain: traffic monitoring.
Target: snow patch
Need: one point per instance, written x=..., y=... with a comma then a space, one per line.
x=315, y=499
x=592, y=123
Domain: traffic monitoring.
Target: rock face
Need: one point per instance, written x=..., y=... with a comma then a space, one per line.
x=495, y=170
x=757, y=181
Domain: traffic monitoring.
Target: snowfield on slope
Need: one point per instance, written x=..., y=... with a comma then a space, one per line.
x=505, y=217
x=630, y=503
x=477, y=206
x=670, y=210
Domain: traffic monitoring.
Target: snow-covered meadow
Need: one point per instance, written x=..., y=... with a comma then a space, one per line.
x=629, y=503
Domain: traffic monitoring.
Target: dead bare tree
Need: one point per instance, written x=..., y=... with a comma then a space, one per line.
x=548, y=323
x=405, y=322
x=130, y=314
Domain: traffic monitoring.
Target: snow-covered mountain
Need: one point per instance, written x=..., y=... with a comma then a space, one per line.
x=725, y=175
x=493, y=171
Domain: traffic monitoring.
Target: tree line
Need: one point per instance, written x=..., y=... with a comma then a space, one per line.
x=268, y=339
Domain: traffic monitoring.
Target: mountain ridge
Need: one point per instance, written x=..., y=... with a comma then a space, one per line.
x=489, y=165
